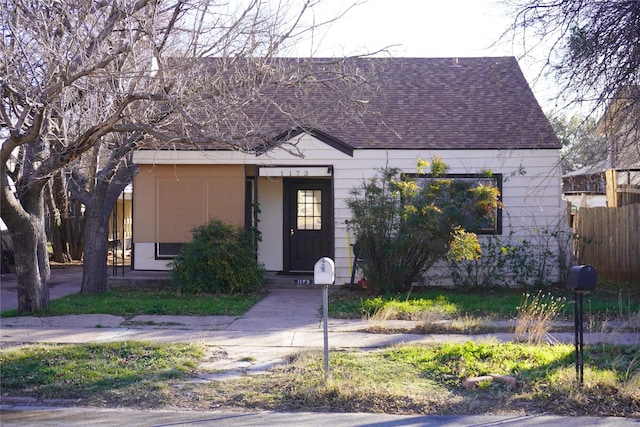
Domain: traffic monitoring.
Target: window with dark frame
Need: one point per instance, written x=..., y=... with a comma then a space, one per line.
x=492, y=224
x=167, y=250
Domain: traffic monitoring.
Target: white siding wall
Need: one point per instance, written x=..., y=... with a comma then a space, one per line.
x=531, y=186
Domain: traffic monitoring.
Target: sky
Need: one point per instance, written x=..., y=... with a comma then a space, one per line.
x=432, y=28
x=425, y=28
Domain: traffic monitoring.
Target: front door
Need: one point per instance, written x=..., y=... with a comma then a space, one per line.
x=308, y=223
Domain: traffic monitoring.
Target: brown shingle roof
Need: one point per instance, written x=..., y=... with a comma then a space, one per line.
x=446, y=103
x=411, y=103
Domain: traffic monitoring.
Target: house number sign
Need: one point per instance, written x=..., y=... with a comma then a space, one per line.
x=296, y=172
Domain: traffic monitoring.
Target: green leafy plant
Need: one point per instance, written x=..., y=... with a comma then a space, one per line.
x=486, y=269
x=509, y=261
x=404, y=224
x=220, y=259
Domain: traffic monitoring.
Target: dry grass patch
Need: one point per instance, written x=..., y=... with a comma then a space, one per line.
x=428, y=380
x=411, y=379
x=536, y=315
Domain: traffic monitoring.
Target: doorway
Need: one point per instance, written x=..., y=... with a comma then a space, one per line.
x=308, y=223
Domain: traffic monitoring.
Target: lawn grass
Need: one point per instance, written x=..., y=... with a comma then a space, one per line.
x=412, y=379
x=94, y=371
x=407, y=379
x=130, y=301
x=456, y=303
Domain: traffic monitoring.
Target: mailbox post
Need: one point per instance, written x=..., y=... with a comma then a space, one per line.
x=582, y=279
x=324, y=274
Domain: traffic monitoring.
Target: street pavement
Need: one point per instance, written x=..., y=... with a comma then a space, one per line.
x=286, y=321
x=98, y=417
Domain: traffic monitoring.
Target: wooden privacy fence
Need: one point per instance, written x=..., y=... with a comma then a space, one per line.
x=609, y=239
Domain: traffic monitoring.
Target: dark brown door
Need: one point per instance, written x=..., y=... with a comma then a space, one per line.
x=308, y=223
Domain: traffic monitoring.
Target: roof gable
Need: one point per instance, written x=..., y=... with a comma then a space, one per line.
x=318, y=134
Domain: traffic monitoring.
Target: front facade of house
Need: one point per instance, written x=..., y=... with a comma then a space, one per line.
x=475, y=113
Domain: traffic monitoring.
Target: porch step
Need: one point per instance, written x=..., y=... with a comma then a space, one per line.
x=289, y=281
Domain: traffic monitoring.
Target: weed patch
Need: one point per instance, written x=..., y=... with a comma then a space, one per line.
x=435, y=303
x=536, y=315
x=428, y=380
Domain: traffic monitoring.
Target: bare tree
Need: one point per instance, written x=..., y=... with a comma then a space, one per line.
x=593, y=48
x=86, y=83
x=581, y=145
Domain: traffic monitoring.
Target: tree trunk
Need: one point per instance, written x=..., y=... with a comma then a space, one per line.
x=96, y=249
x=96, y=230
x=57, y=200
x=75, y=230
x=32, y=268
x=60, y=253
x=29, y=238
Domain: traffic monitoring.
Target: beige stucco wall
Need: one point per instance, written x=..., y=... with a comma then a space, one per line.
x=170, y=200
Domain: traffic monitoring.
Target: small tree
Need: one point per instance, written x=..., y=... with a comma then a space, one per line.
x=219, y=260
x=403, y=226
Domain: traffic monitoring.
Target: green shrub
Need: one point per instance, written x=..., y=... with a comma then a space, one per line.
x=220, y=259
x=486, y=271
x=404, y=223
x=509, y=261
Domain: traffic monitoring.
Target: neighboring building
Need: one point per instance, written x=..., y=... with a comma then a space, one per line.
x=621, y=126
x=585, y=187
x=615, y=181
x=598, y=186
x=474, y=113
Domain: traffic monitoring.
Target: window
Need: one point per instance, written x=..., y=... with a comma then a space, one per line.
x=491, y=223
x=167, y=250
x=309, y=209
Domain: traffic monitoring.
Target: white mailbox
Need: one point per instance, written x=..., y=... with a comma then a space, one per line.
x=324, y=272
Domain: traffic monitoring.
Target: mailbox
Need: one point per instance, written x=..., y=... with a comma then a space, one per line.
x=324, y=272
x=582, y=278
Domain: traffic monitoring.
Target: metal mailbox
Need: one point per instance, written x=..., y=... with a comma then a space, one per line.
x=324, y=272
x=582, y=278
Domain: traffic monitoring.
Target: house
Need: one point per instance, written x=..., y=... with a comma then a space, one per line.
x=599, y=186
x=474, y=113
x=585, y=187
